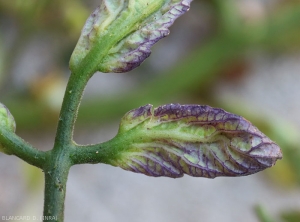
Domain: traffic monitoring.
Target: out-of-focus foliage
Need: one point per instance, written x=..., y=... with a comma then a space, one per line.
x=58, y=16
x=291, y=216
x=286, y=216
x=262, y=214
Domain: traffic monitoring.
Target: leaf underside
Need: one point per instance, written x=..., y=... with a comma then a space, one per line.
x=200, y=141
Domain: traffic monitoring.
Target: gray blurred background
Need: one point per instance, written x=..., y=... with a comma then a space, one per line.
x=240, y=55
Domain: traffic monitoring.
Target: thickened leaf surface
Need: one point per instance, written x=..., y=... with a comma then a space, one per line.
x=201, y=141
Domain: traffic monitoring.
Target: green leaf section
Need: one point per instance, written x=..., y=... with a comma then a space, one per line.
x=7, y=122
x=118, y=35
x=201, y=141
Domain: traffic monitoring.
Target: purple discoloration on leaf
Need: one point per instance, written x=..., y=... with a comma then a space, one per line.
x=200, y=141
x=137, y=47
x=142, y=111
x=135, y=117
x=134, y=27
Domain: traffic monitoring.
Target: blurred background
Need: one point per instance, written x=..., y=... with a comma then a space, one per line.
x=239, y=55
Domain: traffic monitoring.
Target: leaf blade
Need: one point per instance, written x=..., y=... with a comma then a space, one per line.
x=200, y=141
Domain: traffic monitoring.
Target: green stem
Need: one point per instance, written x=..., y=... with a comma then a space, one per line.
x=93, y=154
x=58, y=162
x=100, y=153
x=69, y=110
x=108, y=151
x=56, y=176
x=21, y=149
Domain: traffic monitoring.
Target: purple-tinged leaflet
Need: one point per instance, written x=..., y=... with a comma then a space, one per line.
x=129, y=28
x=200, y=141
